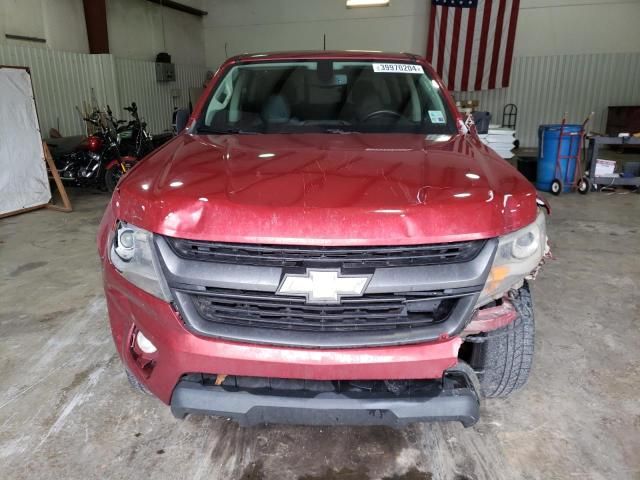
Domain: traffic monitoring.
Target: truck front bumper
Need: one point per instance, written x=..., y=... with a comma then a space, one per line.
x=454, y=398
x=180, y=352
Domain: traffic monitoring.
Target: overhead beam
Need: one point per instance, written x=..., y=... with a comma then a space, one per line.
x=95, y=18
x=180, y=7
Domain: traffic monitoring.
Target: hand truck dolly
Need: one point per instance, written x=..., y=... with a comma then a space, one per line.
x=579, y=181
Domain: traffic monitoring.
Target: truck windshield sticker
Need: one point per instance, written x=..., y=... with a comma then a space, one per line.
x=436, y=116
x=397, y=68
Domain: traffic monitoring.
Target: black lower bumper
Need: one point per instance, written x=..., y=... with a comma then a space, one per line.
x=454, y=400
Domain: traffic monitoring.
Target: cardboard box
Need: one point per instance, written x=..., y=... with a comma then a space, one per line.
x=605, y=168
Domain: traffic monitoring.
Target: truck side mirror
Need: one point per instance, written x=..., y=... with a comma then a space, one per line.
x=182, y=117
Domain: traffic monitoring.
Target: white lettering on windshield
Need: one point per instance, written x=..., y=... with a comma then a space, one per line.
x=397, y=68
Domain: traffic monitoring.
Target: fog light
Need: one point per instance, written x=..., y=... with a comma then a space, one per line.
x=145, y=344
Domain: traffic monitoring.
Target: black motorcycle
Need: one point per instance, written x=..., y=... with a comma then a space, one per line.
x=135, y=140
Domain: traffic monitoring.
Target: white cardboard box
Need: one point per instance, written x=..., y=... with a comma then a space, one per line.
x=605, y=168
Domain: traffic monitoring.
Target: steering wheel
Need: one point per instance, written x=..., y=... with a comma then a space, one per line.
x=377, y=113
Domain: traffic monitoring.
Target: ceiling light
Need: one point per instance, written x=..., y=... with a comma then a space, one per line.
x=367, y=3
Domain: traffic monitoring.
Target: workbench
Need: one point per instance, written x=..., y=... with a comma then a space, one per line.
x=594, y=147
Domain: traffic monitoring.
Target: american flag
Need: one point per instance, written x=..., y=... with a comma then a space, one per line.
x=471, y=42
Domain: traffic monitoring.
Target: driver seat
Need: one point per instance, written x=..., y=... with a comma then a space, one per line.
x=366, y=99
x=276, y=110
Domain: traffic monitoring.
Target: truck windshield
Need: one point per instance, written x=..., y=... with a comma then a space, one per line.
x=326, y=96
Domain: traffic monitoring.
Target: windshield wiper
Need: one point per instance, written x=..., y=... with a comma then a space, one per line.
x=226, y=131
x=338, y=131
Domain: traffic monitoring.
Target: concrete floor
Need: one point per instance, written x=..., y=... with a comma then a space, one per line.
x=66, y=409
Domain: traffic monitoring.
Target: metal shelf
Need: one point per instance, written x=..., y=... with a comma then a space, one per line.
x=594, y=147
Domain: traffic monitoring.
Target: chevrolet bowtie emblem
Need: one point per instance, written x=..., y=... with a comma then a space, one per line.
x=323, y=285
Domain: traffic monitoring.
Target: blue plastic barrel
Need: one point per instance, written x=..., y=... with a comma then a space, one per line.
x=548, y=138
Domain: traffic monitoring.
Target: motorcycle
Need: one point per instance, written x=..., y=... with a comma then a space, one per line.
x=135, y=140
x=95, y=160
x=102, y=158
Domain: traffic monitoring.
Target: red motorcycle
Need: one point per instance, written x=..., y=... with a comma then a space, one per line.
x=93, y=161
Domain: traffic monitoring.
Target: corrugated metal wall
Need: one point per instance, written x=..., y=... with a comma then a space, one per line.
x=155, y=100
x=64, y=80
x=544, y=88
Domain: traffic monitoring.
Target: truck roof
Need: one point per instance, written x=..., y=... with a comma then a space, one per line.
x=327, y=54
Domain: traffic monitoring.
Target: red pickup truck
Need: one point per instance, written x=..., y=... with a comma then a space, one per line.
x=325, y=242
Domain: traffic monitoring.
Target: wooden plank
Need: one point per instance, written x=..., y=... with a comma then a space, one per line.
x=23, y=210
x=66, y=203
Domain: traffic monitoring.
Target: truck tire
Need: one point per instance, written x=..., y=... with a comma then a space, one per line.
x=135, y=383
x=507, y=353
x=111, y=178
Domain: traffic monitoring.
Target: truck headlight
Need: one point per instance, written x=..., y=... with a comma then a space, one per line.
x=133, y=255
x=518, y=254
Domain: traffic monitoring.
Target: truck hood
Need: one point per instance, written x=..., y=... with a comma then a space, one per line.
x=326, y=189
